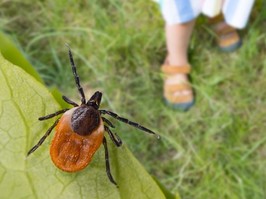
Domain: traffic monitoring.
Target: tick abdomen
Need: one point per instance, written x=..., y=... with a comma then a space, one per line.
x=70, y=151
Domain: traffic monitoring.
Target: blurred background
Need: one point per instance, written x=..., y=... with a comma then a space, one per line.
x=218, y=148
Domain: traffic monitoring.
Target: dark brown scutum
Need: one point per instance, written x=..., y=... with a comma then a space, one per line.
x=85, y=120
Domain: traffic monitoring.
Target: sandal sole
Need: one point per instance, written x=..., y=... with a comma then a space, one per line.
x=180, y=106
x=232, y=47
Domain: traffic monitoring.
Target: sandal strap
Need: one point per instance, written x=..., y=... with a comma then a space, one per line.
x=179, y=99
x=170, y=70
x=172, y=88
x=229, y=39
x=223, y=29
x=220, y=26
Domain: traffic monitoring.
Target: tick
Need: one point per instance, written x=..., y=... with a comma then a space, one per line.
x=79, y=132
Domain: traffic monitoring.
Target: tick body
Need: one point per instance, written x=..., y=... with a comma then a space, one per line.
x=79, y=132
x=70, y=151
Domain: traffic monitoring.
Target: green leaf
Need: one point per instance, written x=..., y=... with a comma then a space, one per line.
x=12, y=54
x=166, y=192
x=22, y=101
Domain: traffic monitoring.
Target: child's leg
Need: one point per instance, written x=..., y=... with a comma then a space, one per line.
x=177, y=91
x=177, y=41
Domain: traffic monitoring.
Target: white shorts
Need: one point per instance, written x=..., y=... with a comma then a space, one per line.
x=236, y=12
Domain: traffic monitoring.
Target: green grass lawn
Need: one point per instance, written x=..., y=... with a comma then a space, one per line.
x=215, y=150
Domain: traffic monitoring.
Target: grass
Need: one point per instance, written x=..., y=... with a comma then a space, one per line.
x=217, y=149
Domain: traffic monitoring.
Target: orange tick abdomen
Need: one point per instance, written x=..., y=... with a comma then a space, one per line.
x=70, y=151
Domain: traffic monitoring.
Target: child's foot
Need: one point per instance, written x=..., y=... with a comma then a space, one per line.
x=227, y=37
x=177, y=90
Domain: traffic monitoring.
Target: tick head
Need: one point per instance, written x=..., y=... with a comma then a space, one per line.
x=95, y=100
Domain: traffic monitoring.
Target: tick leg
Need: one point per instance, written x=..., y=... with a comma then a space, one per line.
x=136, y=125
x=114, y=137
x=53, y=114
x=43, y=138
x=74, y=70
x=107, y=163
x=69, y=101
x=108, y=122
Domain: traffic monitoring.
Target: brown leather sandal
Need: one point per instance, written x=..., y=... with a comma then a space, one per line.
x=172, y=94
x=227, y=37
